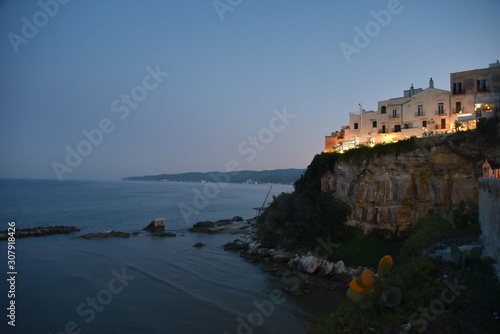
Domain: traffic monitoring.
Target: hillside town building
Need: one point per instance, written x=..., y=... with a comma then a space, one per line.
x=424, y=112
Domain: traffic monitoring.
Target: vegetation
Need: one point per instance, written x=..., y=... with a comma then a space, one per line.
x=365, y=250
x=427, y=300
x=368, y=283
x=437, y=296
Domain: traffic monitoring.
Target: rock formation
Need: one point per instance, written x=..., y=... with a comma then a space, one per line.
x=39, y=231
x=392, y=191
x=156, y=225
x=106, y=234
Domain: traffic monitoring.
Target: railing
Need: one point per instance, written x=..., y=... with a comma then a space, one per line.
x=420, y=113
x=441, y=112
x=457, y=111
x=458, y=91
x=394, y=116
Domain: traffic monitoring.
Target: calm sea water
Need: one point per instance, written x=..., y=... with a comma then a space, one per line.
x=142, y=284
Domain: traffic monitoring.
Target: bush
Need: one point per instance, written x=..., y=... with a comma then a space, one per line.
x=296, y=220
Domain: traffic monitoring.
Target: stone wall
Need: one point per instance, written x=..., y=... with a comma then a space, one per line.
x=489, y=216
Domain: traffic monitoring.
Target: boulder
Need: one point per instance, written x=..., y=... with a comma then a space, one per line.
x=309, y=264
x=263, y=252
x=325, y=269
x=157, y=224
x=340, y=267
x=235, y=245
x=281, y=256
x=249, y=257
x=204, y=227
x=199, y=244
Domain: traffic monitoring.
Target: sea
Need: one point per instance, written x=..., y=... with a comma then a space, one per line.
x=142, y=284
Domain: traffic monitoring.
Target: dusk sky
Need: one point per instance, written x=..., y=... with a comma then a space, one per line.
x=256, y=83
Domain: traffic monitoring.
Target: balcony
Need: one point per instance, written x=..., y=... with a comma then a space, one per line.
x=393, y=116
x=457, y=111
x=420, y=113
x=440, y=112
x=458, y=91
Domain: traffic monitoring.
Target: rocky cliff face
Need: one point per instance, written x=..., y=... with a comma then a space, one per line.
x=393, y=191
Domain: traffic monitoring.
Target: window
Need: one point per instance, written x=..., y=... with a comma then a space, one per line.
x=374, y=124
x=383, y=110
x=458, y=107
x=457, y=88
x=397, y=128
x=420, y=110
x=440, y=109
x=481, y=85
x=424, y=124
x=394, y=113
x=355, y=126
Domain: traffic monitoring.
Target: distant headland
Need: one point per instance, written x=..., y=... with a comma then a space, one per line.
x=276, y=176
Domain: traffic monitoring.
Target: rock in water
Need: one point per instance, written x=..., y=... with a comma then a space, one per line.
x=199, y=244
x=156, y=225
x=39, y=231
x=235, y=245
x=107, y=234
x=164, y=234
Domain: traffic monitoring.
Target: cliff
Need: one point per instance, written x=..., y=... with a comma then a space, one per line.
x=394, y=189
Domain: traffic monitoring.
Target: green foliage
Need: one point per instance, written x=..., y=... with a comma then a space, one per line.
x=364, y=250
x=421, y=280
x=310, y=181
x=425, y=233
x=466, y=213
x=296, y=220
x=487, y=131
x=369, y=282
x=463, y=258
x=366, y=153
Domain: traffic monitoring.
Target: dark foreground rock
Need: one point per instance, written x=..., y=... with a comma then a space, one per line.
x=39, y=231
x=217, y=226
x=107, y=234
x=199, y=244
x=235, y=245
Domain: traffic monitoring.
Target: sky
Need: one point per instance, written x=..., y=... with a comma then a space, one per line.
x=108, y=89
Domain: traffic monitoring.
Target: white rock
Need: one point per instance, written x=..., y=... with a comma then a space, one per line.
x=325, y=268
x=340, y=267
x=309, y=264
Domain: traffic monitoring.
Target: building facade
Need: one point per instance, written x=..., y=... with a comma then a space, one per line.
x=424, y=112
x=475, y=94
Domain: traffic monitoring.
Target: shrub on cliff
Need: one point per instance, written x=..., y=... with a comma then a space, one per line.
x=297, y=219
